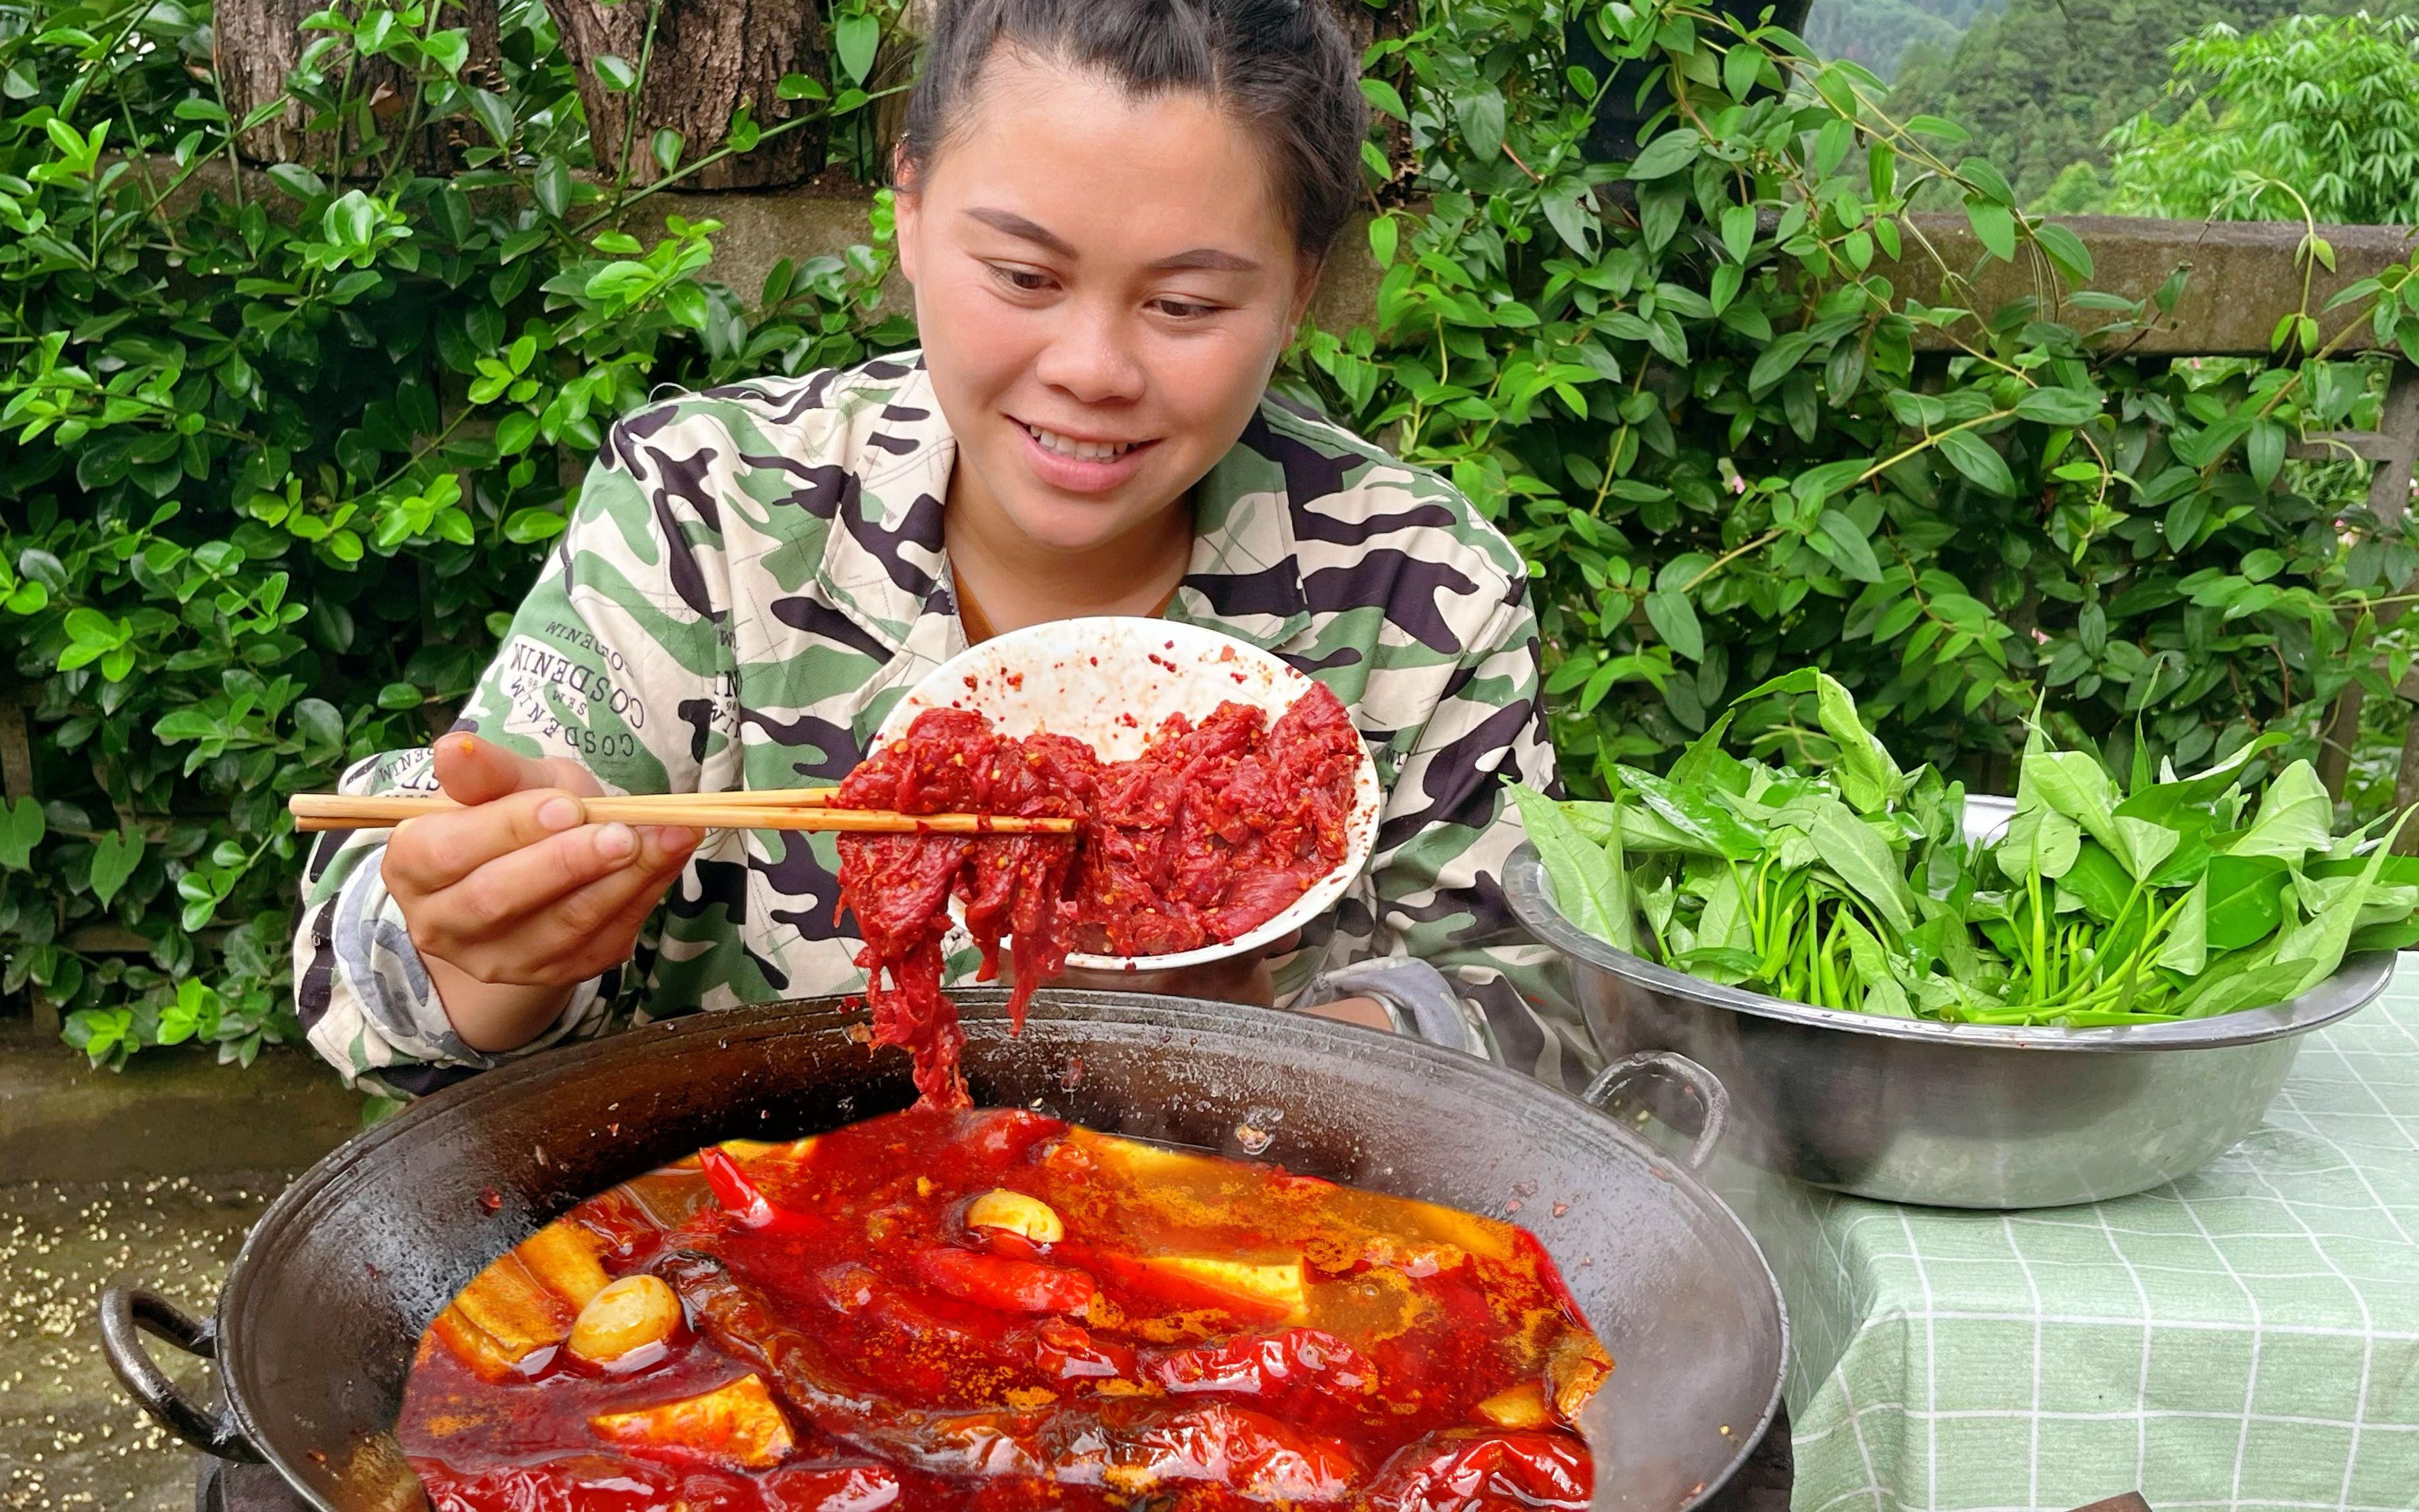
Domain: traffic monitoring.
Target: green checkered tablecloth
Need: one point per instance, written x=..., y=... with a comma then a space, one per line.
x=2246, y=1338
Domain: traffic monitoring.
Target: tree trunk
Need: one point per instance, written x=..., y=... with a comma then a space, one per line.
x=256, y=43
x=709, y=57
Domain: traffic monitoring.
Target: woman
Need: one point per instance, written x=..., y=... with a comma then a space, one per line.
x=1113, y=215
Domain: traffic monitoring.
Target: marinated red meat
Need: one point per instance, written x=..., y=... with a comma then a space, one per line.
x=1215, y=829
x=898, y=885
x=973, y=1311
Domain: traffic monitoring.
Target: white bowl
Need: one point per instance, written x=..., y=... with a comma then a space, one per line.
x=1111, y=682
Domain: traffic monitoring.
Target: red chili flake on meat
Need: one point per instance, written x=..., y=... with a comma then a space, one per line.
x=1213, y=831
x=1560, y=1208
x=491, y=1199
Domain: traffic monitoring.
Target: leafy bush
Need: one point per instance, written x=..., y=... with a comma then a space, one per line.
x=2310, y=115
x=1704, y=416
x=2040, y=83
x=284, y=449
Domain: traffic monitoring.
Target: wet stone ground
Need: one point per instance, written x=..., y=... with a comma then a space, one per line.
x=68, y=1437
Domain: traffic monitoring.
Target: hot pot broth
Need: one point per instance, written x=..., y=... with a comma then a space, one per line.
x=994, y=1309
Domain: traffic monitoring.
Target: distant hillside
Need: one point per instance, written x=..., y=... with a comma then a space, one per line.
x=2040, y=83
x=1878, y=33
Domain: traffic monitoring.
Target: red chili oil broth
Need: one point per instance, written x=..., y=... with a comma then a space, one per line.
x=915, y=1360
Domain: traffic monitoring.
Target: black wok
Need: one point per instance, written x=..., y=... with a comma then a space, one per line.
x=317, y=1320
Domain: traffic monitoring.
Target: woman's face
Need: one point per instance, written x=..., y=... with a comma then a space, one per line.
x=1103, y=285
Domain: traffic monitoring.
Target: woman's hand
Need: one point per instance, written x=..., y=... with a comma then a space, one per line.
x=516, y=900
x=1367, y=1012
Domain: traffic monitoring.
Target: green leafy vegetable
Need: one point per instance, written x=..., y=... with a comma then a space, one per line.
x=1693, y=813
x=1847, y=883
x=2245, y=900
x=2295, y=817
x=1853, y=853
x=1589, y=885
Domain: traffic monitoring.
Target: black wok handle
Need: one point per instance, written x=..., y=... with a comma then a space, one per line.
x=129, y=1312
x=1670, y=1066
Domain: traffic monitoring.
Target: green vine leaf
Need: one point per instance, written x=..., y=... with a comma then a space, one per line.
x=1979, y=461
x=115, y=858
x=21, y=827
x=1994, y=226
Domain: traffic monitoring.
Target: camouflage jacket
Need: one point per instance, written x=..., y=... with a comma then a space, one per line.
x=752, y=575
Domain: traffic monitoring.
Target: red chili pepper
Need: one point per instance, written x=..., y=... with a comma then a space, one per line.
x=1069, y=1352
x=1453, y=1473
x=1008, y=1285
x=1258, y=1364
x=740, y=1197
x=1165, y=1291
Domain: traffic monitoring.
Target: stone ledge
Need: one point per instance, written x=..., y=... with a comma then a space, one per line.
x=170, y=1113
x=2244, y=273
x=2243, y=276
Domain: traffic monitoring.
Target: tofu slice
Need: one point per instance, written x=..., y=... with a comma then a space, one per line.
x=1577, y=1368
x=525, y=1301
x=1516, y=1407
x=561, y=1258
x=738, y=1426
x=1489, y=1238
x=1141, y=1161
x=511, y=1307
x=796, y=1150
x=474, y=1346
x=1277, y=1284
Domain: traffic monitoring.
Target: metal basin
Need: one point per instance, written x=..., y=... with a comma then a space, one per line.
x=1950, y=1115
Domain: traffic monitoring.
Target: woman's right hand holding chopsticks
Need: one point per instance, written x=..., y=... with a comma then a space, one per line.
x=515, y=899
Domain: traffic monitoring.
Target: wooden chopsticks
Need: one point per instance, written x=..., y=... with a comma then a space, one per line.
x=778, y=809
